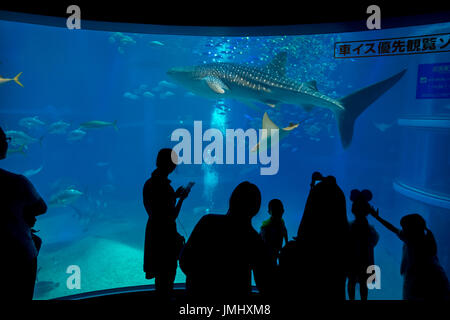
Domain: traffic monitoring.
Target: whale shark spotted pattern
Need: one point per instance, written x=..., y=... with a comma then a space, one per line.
x=269, y=85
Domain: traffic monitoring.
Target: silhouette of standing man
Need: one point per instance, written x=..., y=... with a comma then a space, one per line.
x=162, y=241
x=19, y=206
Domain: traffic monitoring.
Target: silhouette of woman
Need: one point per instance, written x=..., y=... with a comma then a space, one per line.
x=162, y=241
x=314, y=266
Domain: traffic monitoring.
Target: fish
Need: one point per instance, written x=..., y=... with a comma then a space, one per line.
x=65, y=197
x=166, y=94
x=189, y=94
x=383, y=126
x=96, y=124
x=269, y=124
x=76, y=134
x=18, y=150
x=269, y=85
x=148, y=94
x=32, y=172
x=130, y=96
x=167, y=84
x=21, y=139
x=15, y=79
x=107, y=188
x=31, y=122
x=312, y=129
x=156, y=43
x=59, y=127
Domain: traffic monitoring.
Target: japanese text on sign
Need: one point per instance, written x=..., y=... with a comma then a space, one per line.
x=394, y=46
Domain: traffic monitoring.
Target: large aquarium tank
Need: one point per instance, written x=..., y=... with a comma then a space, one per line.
x=88, y=110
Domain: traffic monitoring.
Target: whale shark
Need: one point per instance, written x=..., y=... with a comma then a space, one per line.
x=269, y=85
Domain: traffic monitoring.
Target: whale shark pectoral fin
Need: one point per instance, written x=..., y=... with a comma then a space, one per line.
x=215, y=84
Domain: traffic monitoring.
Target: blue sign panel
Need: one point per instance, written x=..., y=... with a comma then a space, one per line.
x=433, y=81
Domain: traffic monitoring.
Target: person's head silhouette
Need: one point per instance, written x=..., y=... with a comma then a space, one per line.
x=245, y=201
x=413, y=226
x=166, y=161
x=360, y=199
x=276, y=208
x=3, y=144
x=415, y=230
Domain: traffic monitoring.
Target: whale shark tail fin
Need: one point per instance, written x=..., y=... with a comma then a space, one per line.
x=355, y=103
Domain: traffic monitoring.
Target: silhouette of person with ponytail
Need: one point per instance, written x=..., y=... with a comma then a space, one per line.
x=423, y=276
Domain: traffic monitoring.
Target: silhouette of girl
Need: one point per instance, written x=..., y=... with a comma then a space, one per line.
x=423, y=276
x=363, y=239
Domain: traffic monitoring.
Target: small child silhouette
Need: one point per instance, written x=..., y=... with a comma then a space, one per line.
x=363, y=239
x=273, y=230
x=423, y=276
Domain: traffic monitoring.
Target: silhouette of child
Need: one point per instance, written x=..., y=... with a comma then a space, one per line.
x=363, y=239
x=273, y=230
x=423, y=276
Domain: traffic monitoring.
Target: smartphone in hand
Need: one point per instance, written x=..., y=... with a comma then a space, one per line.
x=189, y=186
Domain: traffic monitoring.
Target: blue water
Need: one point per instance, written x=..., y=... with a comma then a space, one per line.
x=80, y=75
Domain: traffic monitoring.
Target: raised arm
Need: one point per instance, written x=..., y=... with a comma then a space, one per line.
x=385, y=223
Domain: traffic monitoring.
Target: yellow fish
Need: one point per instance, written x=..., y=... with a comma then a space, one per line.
x=16, y=79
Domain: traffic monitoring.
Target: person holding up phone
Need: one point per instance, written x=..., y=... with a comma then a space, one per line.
x=163, y=243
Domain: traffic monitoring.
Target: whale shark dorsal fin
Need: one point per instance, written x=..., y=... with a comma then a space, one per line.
x=278, y=64
x=312, y=84
x=215, y=84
